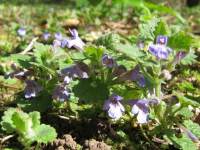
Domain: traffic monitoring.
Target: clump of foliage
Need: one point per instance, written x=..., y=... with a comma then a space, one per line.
x=131, y=82
x=27, y=126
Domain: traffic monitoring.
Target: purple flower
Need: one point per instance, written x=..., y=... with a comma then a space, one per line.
x=75, y=40
x=135, y=75
x=18, y=73
x=113, y=107
x=67, y=79
x=74, y=33
x=56, y=43
x=108, y=61
x=61, y=93
x=21, y=32
x=162, y=40
x=46, y=36
x=58, y=36
x=79, y=70
x=141, y=109
x=180, y=55
x=64, y=43
x=160, y=50
x=32, y=89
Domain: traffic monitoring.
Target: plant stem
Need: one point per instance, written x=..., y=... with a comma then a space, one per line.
x=158, y=89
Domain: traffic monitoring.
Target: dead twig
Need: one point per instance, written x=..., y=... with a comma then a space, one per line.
x=6, y=138
x=30, y=46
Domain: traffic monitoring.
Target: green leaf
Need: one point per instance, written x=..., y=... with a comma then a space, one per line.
x=22, y=60
x=41, y=103
x=131, y=51
x=186, y=86
x=27, y=126
x=35, y=116
x=183, y=142
x=180, y=40
x=91, y=90
x=185, y=112
x=43, y=53
x=193, y=127
x=19, y=120
x=45, y=134
x=73, y=107
x=8, y=81
x=160, y=110
x=148, y=28
x=186, y=101
x=5, y=46
x=94, y=53
x=189, y=59
x=76, y=56
x=108, y=41
x=164, y=9
x=161, y=29
x=135, y=3
x=7, y=123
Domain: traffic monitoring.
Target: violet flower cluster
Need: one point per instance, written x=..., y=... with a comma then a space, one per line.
x=74, y=42
x=32, y=88
x=121, y=71
x=160, y=49
x=140, y=108
x=61, y=92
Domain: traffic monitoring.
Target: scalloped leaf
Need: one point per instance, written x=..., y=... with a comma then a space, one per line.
x=193, y=127
x=180, y=40
x=45, y=134
x=183, y=142
x=185, y=112
x=94, y=53
x=148, y=28
x=189, y=59
x=7, y=123
x=35, y=116
x=131, y=51
x=109, y=41
x=186, y=101
x=20, y=120
x=161, y=29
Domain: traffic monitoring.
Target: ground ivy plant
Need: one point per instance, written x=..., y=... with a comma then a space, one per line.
x=123, y=78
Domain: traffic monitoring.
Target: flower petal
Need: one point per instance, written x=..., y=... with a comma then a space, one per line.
x=161, y=40
x=108, y=61
x=142, y=117
x=114, y=112
x=74, y=33
x=135, y=109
